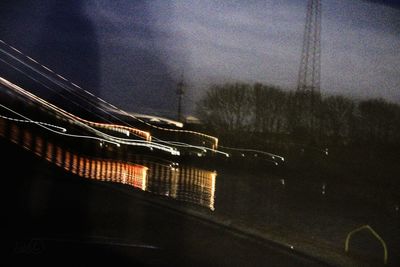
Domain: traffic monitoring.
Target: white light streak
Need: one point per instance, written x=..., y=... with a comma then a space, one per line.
x=60, y=133
x=76, y=120
x=255, y=151
x=35, y=122
x=212, y=138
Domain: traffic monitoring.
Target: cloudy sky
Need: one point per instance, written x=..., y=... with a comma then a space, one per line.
x=133, y=52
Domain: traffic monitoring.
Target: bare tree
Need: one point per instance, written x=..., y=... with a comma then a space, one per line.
x=270, y=109
x=227, y=107
x=337, y=116
x=379, y=121
x=266, y=114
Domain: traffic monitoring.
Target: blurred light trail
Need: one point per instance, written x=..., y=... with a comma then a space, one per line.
x=87, y=124
x=273, y=156
x=213, y=139
x=60, y=133
x=201, y=148
x=35, y=122
x=138, y=133
x=158, y=119
x=182, y=183
x=122, y=129
x=113, y=127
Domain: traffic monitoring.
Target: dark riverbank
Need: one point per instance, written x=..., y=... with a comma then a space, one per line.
x=53, y=217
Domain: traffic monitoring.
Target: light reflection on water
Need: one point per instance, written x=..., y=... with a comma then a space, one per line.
x=182, y=183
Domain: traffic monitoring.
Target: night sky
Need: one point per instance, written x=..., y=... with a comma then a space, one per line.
x=132, y=53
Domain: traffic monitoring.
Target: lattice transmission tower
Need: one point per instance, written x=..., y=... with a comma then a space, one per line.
x=309, y=79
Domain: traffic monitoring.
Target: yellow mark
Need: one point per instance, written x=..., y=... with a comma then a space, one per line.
x=367, y=227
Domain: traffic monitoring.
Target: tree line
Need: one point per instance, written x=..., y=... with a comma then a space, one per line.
x=255, y=114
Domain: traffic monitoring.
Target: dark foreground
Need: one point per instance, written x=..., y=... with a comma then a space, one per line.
x=54, y=218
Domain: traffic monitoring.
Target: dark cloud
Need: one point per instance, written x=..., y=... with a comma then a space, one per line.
x=56, y=33
x=390, y=3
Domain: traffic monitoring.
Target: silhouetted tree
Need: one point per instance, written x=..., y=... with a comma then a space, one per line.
x=336, y=118
x=270, y=109
x=227, y=107
x=266, y=114
x=304, y=116
x=379, y=121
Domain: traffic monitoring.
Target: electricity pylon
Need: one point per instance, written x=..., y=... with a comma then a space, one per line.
x=309, y=79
